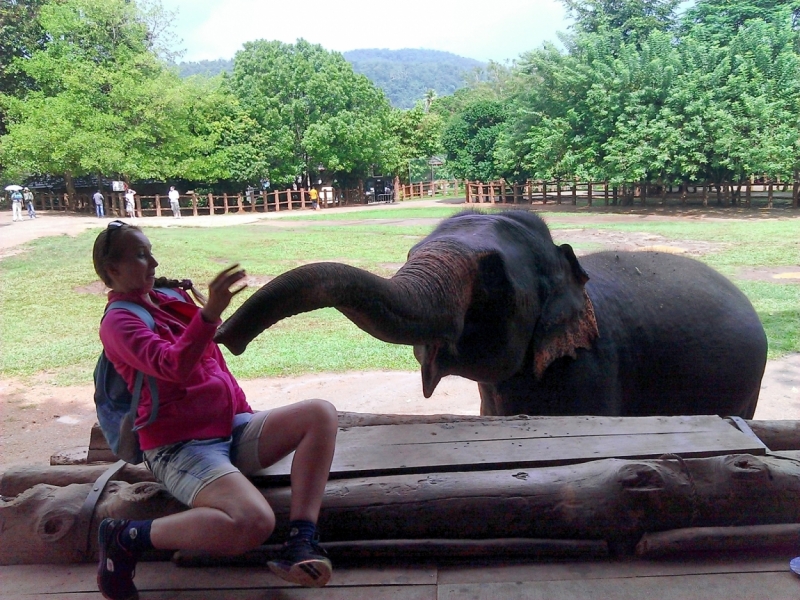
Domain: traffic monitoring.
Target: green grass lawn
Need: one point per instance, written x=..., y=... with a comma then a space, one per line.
x=50, y=306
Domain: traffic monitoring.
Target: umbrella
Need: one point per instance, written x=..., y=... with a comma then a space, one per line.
x=13, y=188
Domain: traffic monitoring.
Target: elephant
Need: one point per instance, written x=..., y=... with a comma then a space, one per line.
x=491, y=297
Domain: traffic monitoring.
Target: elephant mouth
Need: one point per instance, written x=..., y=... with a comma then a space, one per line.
x=431, y=374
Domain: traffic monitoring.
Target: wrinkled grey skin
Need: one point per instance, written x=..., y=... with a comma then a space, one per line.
x=491, y=298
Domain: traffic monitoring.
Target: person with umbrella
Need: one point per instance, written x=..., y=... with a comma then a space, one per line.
x=16, y=201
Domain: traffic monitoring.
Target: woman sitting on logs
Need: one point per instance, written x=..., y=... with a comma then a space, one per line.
x=206, y=438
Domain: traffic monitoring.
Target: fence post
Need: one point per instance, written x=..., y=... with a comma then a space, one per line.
x=225, y=203
x=210, y=203
x=558, y=191
x=239, y=205
x=574, y=192
x=158, y=205
x=589, y=193
x=137, y=206
x=194, y=204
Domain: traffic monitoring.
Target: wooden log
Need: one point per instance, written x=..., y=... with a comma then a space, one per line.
x=413, y=549
x=15, y=480
x=713, y=539
x=40, y=525
x=613, y=500
x=777, y=435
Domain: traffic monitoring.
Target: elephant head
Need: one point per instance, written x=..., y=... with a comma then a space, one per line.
x=483, y=297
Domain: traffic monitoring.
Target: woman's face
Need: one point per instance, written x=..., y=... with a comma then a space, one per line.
x=135, y=271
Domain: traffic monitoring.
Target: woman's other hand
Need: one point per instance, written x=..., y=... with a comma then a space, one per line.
x=221, y=291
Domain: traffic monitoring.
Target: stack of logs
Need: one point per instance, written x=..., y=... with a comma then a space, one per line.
x=648, y=506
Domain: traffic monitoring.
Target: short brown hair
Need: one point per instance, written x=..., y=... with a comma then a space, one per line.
x=107, y=250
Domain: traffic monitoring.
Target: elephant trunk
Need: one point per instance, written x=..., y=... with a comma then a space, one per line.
x=425, y=300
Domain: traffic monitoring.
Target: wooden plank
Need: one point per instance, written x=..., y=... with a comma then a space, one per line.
x=26, y=580
x=428, y=592
x=531, y=427
x=732, y=586
x=541, y=442
x=692, y=565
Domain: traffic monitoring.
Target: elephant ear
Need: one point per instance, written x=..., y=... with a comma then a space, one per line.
x=567, y=321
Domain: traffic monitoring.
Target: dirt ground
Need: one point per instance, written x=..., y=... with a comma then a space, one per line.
x=38, y=419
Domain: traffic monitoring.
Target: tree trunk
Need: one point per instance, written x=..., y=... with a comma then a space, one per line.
x=70, y=197
x=719, y=539
x=769, y=193
x=42, y=524
x=748, y=198
x=613, y=500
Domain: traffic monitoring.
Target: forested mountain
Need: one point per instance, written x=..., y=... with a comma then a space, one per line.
x=209, y=68
x=405, y=76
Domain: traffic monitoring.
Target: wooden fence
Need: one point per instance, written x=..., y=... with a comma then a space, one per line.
x=206, y=204
x=428, y=189
x=559, y=191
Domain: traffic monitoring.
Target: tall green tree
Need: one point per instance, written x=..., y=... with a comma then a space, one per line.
x=318, y=115
x=417, y=133
x=102, y=103
x=20, y=36
x=222, y=143
x=470, y=138
x=632, y=21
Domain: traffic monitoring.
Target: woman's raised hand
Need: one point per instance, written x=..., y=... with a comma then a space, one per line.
x=221, y=291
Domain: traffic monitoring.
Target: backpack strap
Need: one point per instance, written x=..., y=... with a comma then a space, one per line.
x=171, y=292
x=145, y=316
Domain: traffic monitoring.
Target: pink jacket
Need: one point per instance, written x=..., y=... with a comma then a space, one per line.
x=198, y=395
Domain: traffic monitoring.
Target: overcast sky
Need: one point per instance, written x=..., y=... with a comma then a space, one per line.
x=491, y=29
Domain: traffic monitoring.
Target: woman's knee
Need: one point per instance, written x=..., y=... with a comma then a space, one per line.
x=253, y=526
x=323, y=415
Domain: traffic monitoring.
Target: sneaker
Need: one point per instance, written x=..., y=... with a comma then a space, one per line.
x=117, y=565
x=304, y=563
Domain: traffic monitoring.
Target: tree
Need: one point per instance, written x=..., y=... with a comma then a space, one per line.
x=102, y=103
x=417, y=133
x=632, y=20
x=20, y=36
x=315, y=111
x=720, y=20
x=469, y=138
x=222, y=142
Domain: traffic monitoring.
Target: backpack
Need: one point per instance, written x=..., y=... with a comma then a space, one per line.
x=116, y=406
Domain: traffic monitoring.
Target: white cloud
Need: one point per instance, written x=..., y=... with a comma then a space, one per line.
x=494, y=29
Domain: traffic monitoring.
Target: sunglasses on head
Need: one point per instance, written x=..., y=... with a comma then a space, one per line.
x=112, y=227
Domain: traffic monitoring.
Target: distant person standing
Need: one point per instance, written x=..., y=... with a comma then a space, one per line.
x=16, y=205
x=27, y=195
x=98, y=204
x=174, y=202
x=130, y=203
x=314, y=195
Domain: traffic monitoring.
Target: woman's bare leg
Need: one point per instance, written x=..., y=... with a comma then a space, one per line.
x=229, y=516
x=309, y=429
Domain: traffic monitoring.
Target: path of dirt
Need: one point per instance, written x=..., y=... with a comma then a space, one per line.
x=38, y=419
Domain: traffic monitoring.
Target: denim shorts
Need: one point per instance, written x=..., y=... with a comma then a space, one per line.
x=185, y=468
